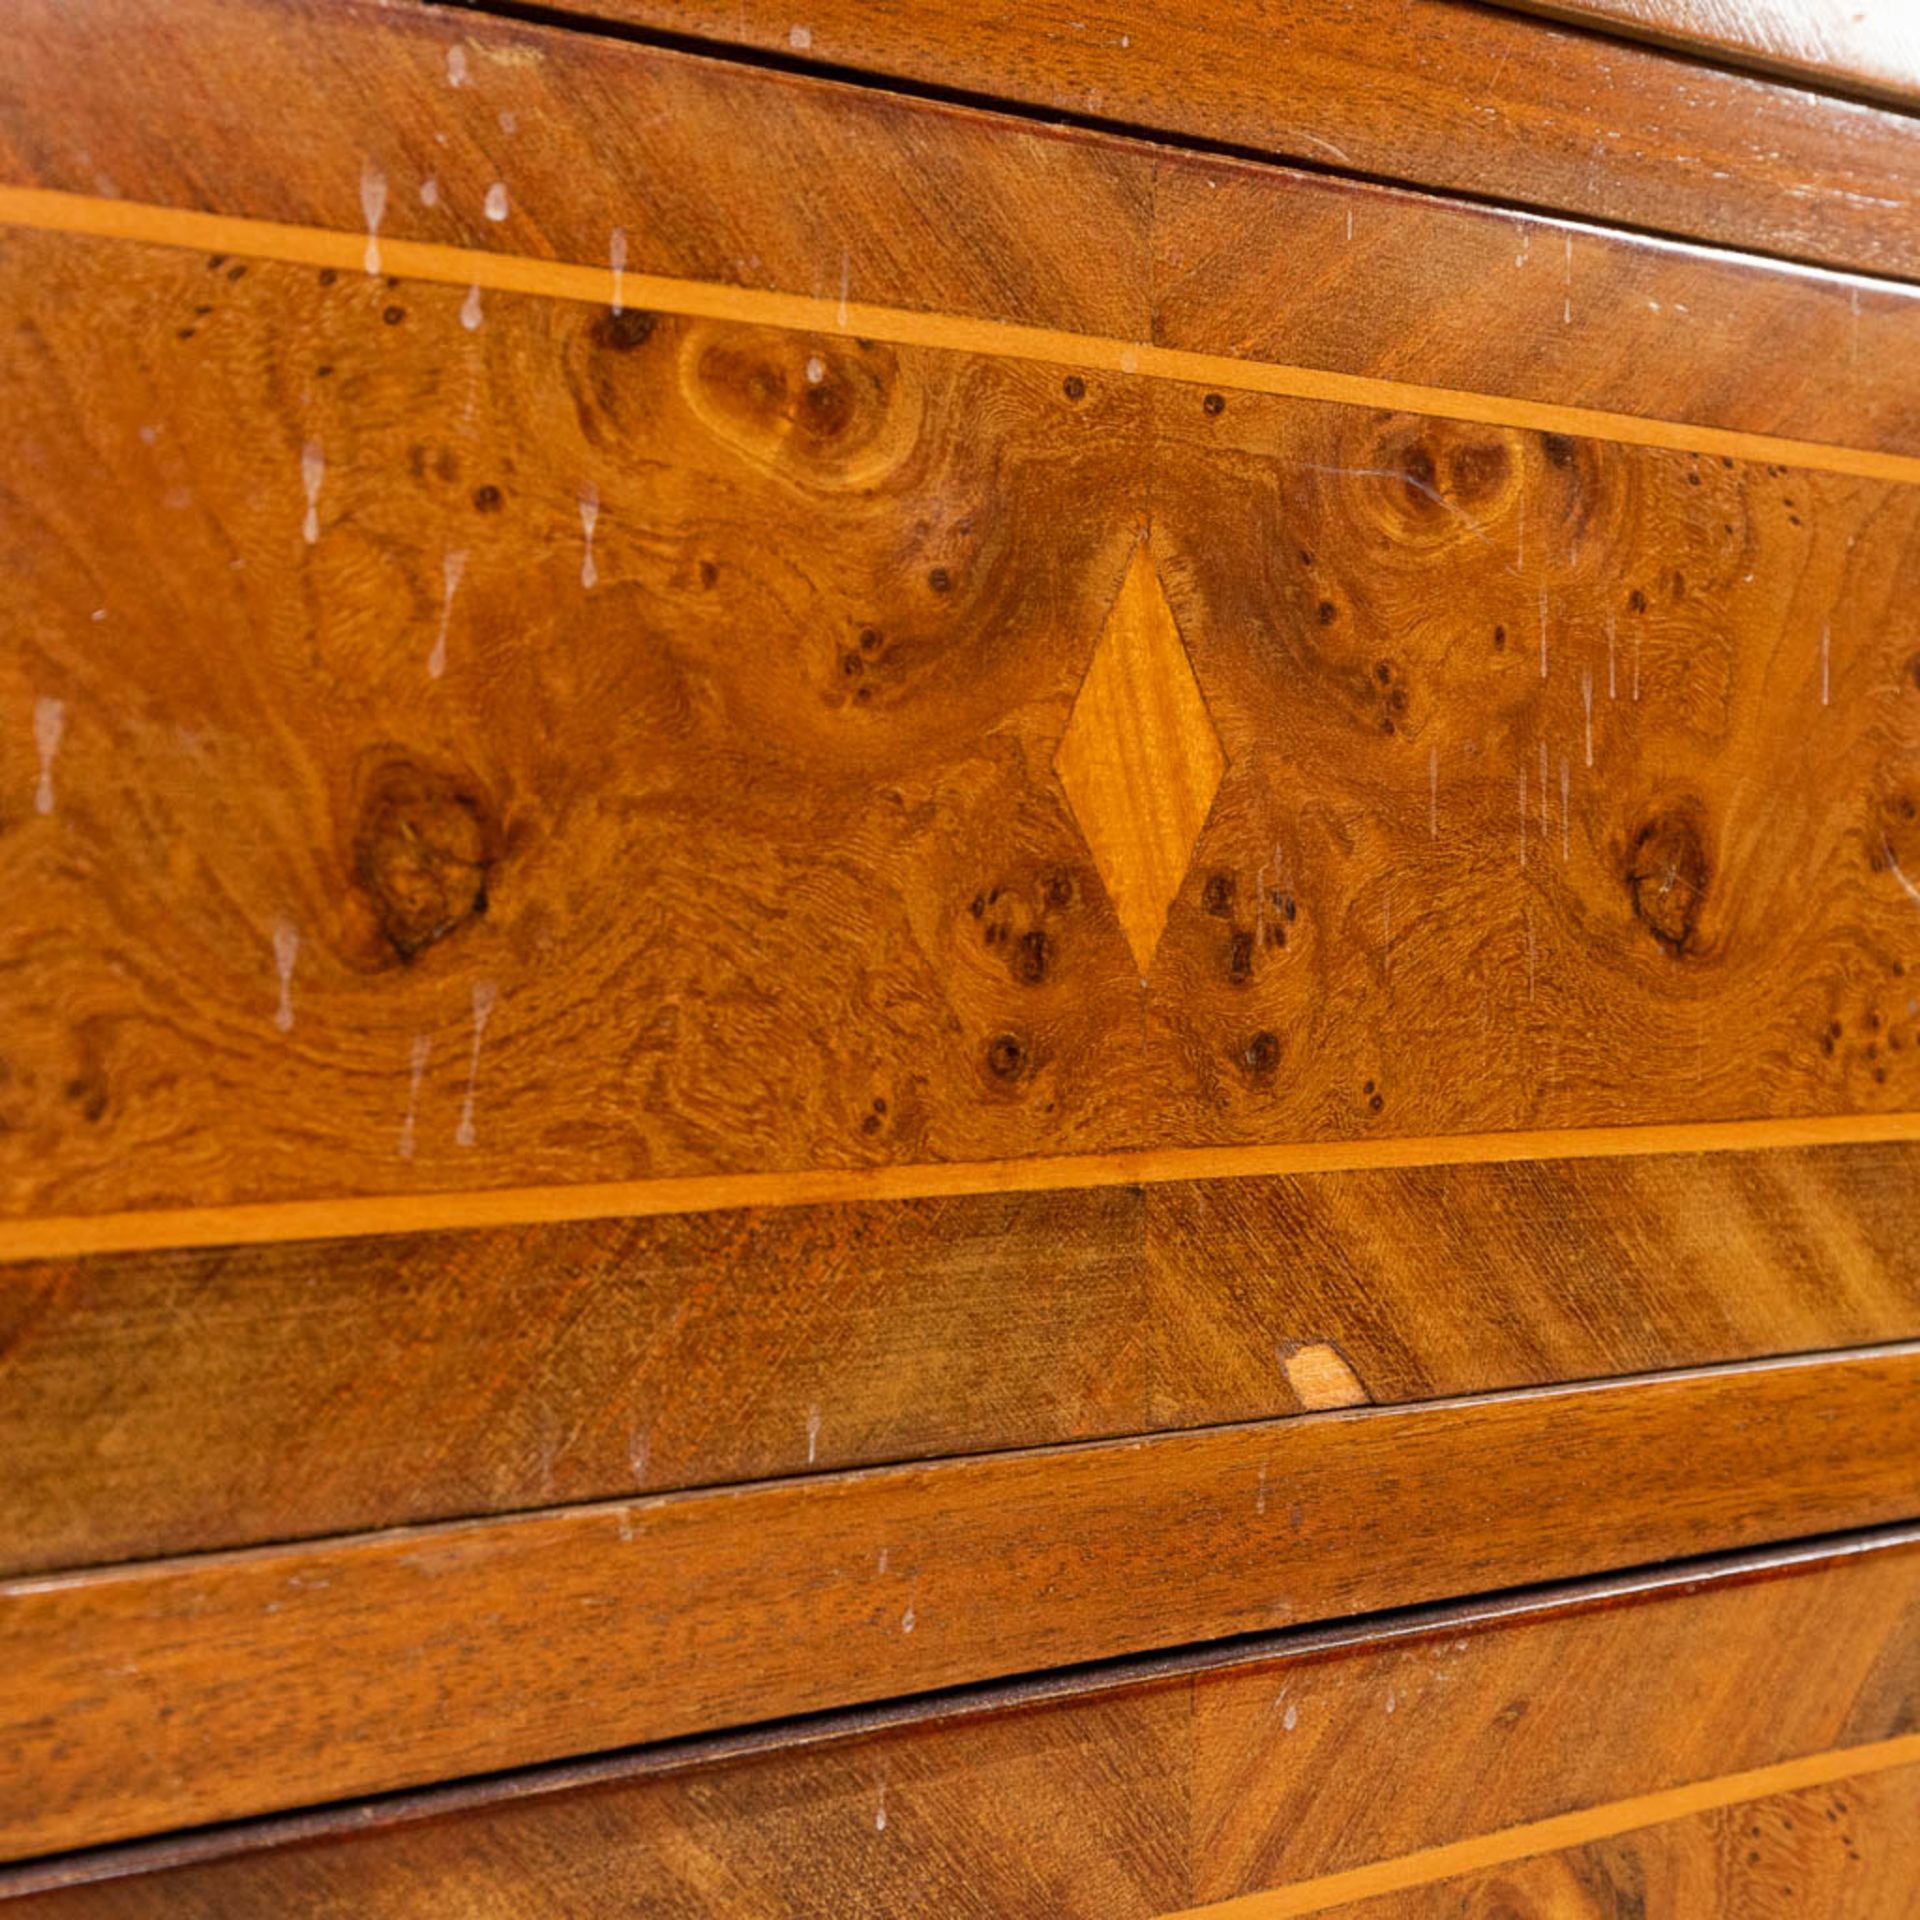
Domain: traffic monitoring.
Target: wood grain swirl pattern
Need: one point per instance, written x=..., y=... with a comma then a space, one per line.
x=363, y=908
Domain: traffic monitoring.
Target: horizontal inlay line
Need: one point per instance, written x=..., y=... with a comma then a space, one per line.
x=362, y=1216
x=1581, y=1828
x=49, y=211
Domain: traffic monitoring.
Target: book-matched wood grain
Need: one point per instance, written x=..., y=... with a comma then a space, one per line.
x=1839, y=45
x=686, y=167
x=1301, y=1771
x=1450, y=95
x=288, y=1675
x=325, y=860
x=172, y=1402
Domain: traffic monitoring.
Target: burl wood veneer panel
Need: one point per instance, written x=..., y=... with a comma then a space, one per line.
x=177, y=1400
x=1300, y=1773
x=591, y=747
x=285, y=1675
x=1447, y=94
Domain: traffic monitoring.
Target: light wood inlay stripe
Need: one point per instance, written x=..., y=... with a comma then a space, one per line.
x=1565, y=1830
x=366, y=1215
x=49, y=211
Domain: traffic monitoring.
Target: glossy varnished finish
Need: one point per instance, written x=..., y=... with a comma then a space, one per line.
x=694, y=161
x=993, y=822
x=291, y=1674
x=1849, y=46
x=1848, y=1851
x=1451, y=95
x=172, y=1402
x=1298, y=1773
x=330, y=901
x=168, y=1402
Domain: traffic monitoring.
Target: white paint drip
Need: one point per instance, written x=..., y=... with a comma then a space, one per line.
x=451, y=568
x=1543, y=633
x=816, y=370
x=485, y=995
x=286, y=950
x=429, y=192
x=880, y=1563
x=1433, y=793
x=1291, y=1718
x=1260, y=1491
x=313, y=470
x=1392, y=1700
x=637, y=1451
x=1612, y=684
x=1586, y=700
x=456, y=66
x=1526, y=247
x=422, y=1052
x=1349, y=223
x=880, y=1812
x=813, y=1434
x=907, y=1620
x=617, y=261
x=373, y=203
x=470, y=313
x=1546, y=811
x=495, y=204
x=1899, y=873
x=799, y=38
x=49, y=723
x=1826, y=666
x=589, y=519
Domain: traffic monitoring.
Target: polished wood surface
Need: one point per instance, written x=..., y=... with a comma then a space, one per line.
x=170, y=1402
x=1842, y=1851
x=834, y=920
x=1435, y=827
x=1293, y=1776
x=1455, y=96
x=1865, y=46
x=1030, y=225
x=292, y=1674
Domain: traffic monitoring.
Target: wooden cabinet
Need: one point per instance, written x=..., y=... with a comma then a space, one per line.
x=951, y=967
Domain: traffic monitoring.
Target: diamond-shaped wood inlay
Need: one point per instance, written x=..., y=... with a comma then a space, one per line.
x=1140, y=760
